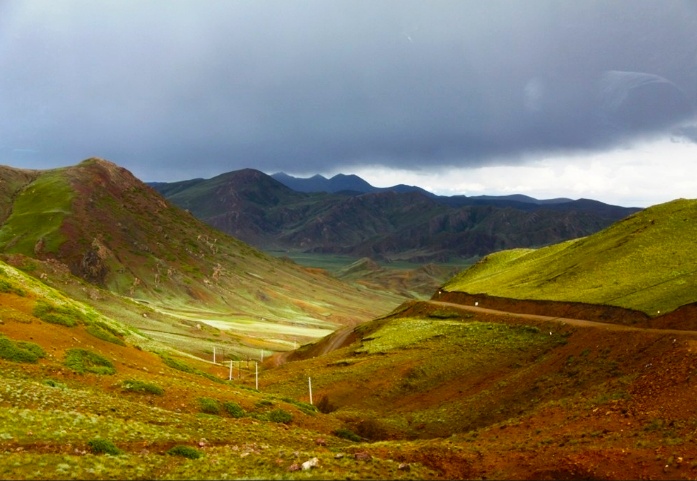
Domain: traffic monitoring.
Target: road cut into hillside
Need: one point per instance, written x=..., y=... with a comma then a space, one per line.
x=561, y=320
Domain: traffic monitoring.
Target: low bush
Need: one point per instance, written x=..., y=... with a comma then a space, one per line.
x=347, y=434
x=103, y=446
x=185, y=451
x=234, y=409
x=101, y=331
x=82, y=361
x=7, y=287
x=134, y=385
x=208, y=405
x=63, y=315
x=20, y=351
x=280, y=416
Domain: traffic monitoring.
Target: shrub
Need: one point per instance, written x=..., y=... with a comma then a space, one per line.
x=20, y=351
x=62, y=315
x=347, y=434
x=32, y=347
x=234, y=409
x=6, y=286
x=103, y=446
x=209, y=406
x=82, y=360
x=185, y=451
x=99, y=331
x=133, y=385
x=280, y=416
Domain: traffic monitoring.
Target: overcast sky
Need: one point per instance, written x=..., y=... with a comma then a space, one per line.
x=547, y=98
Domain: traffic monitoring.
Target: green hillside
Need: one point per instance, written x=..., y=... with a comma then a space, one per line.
x=645, y=262
x=99, y=233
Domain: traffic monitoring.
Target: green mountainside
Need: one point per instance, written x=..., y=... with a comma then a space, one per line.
x=97, y=222
x=645, y=262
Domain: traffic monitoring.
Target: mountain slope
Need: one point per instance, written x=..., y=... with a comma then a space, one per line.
x=644, y=262
x=387, y=224
x=115, y=232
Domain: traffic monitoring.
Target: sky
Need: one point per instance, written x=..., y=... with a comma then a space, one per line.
x=581, y=99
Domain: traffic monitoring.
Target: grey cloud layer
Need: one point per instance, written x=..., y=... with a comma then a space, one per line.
x=184, y=89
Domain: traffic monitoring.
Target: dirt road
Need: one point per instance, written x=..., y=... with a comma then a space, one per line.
x=562, y=320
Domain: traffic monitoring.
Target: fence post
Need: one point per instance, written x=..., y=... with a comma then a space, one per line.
x=230, y=377
x=256, y=374
x=309, y=383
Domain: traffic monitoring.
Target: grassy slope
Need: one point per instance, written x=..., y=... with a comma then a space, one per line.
x=175, y=266
x=644, y=262
x=510, y=399
x=49, y=413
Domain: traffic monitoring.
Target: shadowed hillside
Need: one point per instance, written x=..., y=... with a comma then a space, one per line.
x=388, y=224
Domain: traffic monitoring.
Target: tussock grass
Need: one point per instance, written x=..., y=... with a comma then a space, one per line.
x=185, y=452
x=103, y=446
x=83, y=361
x=20, y=351
x=644, y=262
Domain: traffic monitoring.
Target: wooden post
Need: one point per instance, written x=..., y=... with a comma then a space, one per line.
x=213, y=354
x=256, y=375
x=309, y=383
x=230, y=377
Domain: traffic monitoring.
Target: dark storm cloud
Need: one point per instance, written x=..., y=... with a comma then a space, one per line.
x=180, y=89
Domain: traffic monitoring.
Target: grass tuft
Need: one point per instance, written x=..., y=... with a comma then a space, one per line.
x=280, y=416
x=103, y=446
x=209, y=405
x=82, y=361
x=20, y=351
x=234, y=409
x=185, y=451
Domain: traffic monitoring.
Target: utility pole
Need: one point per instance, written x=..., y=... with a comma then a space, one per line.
x=309, y=383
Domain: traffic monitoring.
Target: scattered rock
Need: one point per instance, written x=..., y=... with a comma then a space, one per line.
x=294, y=467
x=338, y=455
x=321, y=442
x=314, y=462
x=404, y=467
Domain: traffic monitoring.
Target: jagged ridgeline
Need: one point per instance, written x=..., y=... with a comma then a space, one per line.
x=645, y=262
x=113, y=231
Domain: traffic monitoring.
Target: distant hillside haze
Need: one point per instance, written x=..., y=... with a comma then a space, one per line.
x=402, y=223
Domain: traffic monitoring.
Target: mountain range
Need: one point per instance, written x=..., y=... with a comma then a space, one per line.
x=350, y=217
